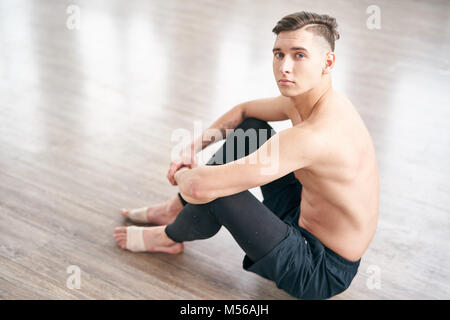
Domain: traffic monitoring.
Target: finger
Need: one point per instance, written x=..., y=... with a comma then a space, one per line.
x=170, y=180
x=173, y=169
x=175, y=166
x=169, y=174
x=170, y=177
x=174, y=182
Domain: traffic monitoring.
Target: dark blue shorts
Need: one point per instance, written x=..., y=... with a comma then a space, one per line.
x=302, y=266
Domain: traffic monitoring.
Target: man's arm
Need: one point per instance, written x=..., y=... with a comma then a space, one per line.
x=285, y=152
x=268, y=109
x=229, y=120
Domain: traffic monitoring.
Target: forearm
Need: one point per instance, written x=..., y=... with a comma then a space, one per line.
x=218, y=130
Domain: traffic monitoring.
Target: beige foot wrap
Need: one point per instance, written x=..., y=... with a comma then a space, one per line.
x=135, y=239
x=138, y=215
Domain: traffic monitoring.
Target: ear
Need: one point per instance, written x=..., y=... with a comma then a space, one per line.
x=329, y=62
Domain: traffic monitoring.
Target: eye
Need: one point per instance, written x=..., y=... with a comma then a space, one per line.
x=277, y=53
x=302, y=56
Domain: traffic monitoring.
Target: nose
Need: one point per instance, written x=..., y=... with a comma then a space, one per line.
x=286, y=65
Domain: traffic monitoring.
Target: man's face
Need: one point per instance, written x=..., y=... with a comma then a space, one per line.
x=303, y=65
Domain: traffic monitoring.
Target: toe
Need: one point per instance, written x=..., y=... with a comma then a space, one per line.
x=121, y=241
x=119, y=237
x=124, y=212
x=120, y=230
x=120, y=234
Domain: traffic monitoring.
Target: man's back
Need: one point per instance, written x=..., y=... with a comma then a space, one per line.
x=341, y=192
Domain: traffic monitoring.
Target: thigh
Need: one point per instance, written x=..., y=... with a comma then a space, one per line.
x=289, y=264
x=254, y=226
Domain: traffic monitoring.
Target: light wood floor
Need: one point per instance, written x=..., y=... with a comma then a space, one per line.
x=87, y=116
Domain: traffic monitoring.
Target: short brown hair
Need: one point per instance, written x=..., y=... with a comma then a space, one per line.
x=324, y=25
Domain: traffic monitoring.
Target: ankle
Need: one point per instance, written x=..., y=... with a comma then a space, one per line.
x=167, y=241
x=175, y=205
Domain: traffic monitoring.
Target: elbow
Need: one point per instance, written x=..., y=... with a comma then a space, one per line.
x=193, y=191
x=198, y=191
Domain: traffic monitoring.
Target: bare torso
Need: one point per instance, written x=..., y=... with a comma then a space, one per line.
x=340, y=194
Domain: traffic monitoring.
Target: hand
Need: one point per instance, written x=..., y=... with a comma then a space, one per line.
x=186, y=159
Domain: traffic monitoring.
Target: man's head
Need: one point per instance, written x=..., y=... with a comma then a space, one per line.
x=303, y=51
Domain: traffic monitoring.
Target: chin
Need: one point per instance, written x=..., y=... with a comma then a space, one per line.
x=289, y=92
x=287, y=95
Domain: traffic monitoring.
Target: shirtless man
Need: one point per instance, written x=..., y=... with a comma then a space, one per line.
x=328, y=149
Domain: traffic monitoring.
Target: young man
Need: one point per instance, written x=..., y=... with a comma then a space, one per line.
x=320, y=207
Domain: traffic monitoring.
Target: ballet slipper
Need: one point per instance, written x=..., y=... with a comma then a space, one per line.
x=138, y=215
x=135, y=239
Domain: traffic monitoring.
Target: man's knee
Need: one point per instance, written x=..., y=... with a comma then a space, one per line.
x=248, y=136
x=255, y=123
x=251, y=134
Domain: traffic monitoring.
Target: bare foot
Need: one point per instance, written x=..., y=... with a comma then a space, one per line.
x=160, y=214
x=155, y=240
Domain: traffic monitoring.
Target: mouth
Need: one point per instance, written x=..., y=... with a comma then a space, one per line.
x=286, y=82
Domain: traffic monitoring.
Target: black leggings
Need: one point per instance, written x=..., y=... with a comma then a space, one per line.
x=254, y=226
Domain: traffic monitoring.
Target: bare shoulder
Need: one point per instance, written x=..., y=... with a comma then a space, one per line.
x=339, y=123
x=337, y=100
x=335, y=111
x=336, y=121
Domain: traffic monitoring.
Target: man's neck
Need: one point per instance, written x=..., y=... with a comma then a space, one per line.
x=306, y=102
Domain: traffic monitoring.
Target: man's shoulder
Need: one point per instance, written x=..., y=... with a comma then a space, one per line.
x=336, y=108
x=336, y=98
x=334, y=113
